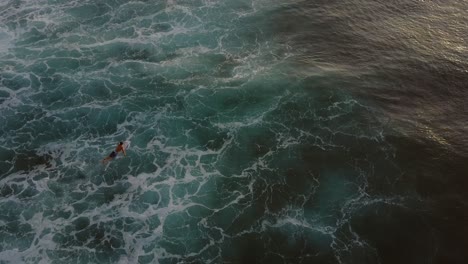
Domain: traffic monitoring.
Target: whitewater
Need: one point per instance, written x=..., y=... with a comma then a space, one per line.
x=261, y=131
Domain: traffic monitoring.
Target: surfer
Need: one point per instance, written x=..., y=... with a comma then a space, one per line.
x=119, y=148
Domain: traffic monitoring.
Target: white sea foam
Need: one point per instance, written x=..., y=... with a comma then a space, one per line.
x=6, y=39
x=198, y=96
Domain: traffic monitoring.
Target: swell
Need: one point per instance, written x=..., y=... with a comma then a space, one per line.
x=407, y=59
x=406, y=63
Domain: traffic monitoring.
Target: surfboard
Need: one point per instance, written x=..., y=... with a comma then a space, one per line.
x=126, y=144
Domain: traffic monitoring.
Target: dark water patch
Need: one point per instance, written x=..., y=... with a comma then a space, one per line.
x=4, y=95
x=186, y=189
x=107, y=246
x=144, y=164
x=62, y=214
x=11, y=210
x=33, y=36
x=251, y=143
x=122, y=51
x=63, y=64
x=245, y=249
x=15, y=82
x=89, y=11
x=208, y=194
x=13, y=229
x=215, y=142
x=81, y=223
x=55, y=31
x=28, y=160
x=399, y=234
x=300, y=245
x=96, y=90
x=106, y=194
x=28, y=193
x=436, y=174
x=434, y=171
x=7, y=156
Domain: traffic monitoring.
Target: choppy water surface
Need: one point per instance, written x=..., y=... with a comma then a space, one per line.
x=261, y=131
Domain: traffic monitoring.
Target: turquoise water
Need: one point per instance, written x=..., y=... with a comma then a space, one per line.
x=261, y=131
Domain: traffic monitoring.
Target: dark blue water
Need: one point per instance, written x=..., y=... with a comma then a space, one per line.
x=261, y=131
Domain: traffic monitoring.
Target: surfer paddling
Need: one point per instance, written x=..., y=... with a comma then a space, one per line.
x=119, y=148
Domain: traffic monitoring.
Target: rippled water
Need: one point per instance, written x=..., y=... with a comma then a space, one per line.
x=261, y=131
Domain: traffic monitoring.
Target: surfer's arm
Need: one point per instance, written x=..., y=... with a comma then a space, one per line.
x=125, y=153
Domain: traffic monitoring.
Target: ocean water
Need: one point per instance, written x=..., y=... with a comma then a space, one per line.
x=261, y=131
